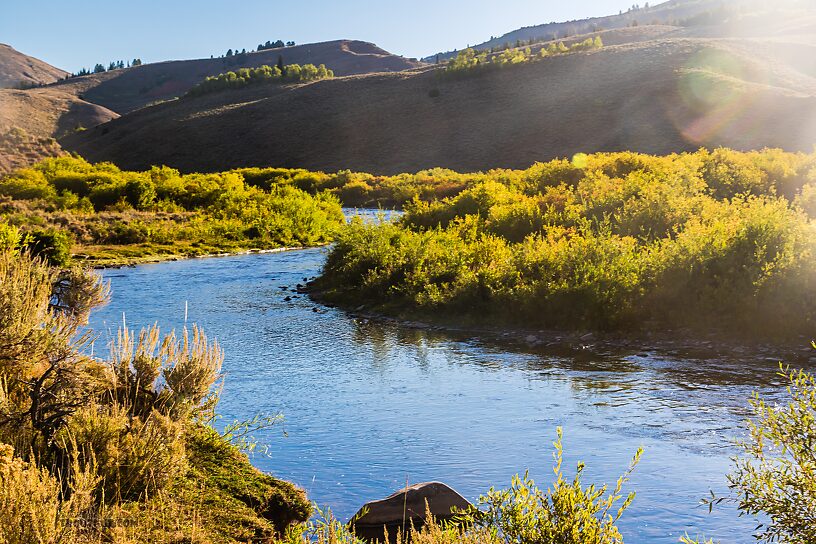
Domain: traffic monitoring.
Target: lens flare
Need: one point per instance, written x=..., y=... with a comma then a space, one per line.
x=719, y=88
x=580, y=160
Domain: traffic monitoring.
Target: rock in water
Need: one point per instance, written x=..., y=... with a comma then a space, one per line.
x=405, y=507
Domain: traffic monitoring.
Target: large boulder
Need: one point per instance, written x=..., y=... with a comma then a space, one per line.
x=406, y=507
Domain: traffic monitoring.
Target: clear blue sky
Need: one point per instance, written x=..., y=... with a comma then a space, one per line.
x=71, y=34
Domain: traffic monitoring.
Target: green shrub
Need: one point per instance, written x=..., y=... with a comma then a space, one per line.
x=610, y=240
x=52, y=245
x=567, y=513
x=9, y=237
x=775, y=479
x=163, y=211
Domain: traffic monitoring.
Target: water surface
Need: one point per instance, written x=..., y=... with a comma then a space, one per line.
x=369, y=406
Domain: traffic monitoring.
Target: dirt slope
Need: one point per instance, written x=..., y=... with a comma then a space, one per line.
x=30, y=119
x=658, y=96
x=128, y=89
x=18, y=70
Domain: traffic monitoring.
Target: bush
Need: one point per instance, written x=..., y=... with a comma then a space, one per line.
x=776, y=477
x=115, y=449
x=568, y=513
x=29, y=502
x=612, y=240
x=166, y=212
x=52, y=245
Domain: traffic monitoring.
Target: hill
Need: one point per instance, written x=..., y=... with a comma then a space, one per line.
x=128, y=89
x=665, y=94
x=37, y=115
x=31, y=119
x=738, y=15
x=18, y=70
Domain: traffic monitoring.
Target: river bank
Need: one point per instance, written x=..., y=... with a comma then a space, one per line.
x=118, y=259
x=686, y=343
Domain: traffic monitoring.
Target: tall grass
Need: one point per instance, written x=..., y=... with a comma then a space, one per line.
x=115, y=449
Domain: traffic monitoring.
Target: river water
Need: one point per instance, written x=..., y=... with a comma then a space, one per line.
x=369, y=405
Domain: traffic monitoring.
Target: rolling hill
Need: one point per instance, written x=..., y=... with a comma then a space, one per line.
x=37, y=115
x=660, y=90
x=744, y=17
x=18, y=70
x=129, y=89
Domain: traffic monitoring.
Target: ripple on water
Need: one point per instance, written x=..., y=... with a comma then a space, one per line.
x=369, y=406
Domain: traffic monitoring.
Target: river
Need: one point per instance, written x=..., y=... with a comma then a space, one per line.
x=370, y=405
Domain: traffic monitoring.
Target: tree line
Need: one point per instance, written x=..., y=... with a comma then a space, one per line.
x=470, y=59
x=277, y=44
x=280, y=73
x=112, y=65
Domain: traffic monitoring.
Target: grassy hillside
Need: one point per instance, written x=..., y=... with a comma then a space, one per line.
x=18, y=70
x=31, y=119
x=656, y=96
x=739, y=17
x=126, y=90
x=83, y=102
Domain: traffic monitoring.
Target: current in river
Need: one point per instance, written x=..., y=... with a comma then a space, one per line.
x=369, y=406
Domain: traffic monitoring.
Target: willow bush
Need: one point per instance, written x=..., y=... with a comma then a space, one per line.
x=66, y=202
x=621, y=240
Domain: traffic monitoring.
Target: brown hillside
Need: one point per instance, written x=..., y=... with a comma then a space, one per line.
x=711, y=18
x=128, y=89
x=30, y=119
x=658, y=96
x=18, y=70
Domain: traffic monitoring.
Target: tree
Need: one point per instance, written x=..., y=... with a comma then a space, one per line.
x=99, y=68
x=136, y=62
x=280, y=65
x=229, y=52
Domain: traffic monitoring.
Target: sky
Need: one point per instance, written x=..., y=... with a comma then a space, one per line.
x=72, y=34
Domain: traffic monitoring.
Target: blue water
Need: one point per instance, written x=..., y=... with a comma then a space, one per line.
x=369, y=406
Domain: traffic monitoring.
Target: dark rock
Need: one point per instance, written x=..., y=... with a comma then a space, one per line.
x=406, y=507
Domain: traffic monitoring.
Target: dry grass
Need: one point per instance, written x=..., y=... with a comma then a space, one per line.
x=17, y=68
x=637, y=96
